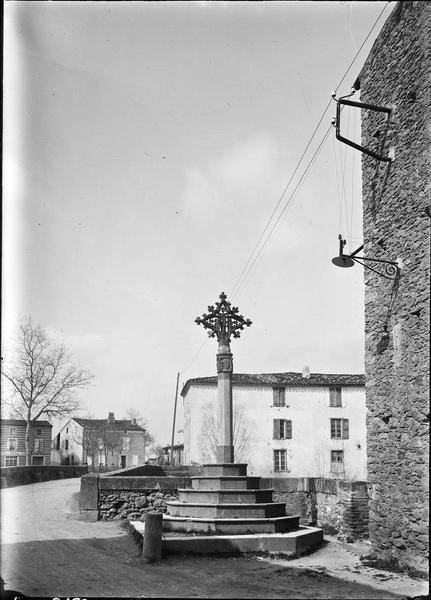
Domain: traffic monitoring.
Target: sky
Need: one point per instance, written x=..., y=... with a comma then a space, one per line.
x=147, y=146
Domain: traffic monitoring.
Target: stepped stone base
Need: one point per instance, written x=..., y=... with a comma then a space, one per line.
x=239, y=515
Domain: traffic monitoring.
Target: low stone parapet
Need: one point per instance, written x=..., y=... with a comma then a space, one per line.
x=111, y=497
x=13, y=476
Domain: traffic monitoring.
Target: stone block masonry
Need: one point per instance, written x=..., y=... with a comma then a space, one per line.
x=396, y=204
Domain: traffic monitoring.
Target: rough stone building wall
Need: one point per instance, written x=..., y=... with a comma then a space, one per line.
x=396, y=199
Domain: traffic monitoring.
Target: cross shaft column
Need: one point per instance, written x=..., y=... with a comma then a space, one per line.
x=223, y=321
x=225, y=449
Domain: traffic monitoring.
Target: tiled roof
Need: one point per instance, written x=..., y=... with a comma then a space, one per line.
x=283, y=380
x=17, y=422
x=118, y=424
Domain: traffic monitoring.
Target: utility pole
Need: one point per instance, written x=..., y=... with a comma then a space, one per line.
x=173, y=423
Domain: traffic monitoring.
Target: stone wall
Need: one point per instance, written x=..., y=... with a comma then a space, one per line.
x=339, y=507
x=115, y=497
x=396, y=199
x=116, y=504
x=12, y=476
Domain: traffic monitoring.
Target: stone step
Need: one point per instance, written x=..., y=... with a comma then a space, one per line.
x=221, y=469
x=230, y=526
x=292, y=544
x=225, y=482
x=226, y=511
x=224, y=496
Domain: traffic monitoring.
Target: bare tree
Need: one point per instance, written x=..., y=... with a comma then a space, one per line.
x=91, y=442
x=41, y=379
x=208, y=440
x=112, y=441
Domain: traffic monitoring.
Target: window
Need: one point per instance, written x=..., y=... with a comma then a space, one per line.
x=335, y=396
x=279, y=397
x=12, y=431
x=12, y=444
x=11, y=461
x=37, y=460
x=67, y=429
x=337, y=461
x=282, y=429
x=38, y=445
x=57, y=442
x=38, y=431
x=340, y=429
x=66, y=444
x=280, y=460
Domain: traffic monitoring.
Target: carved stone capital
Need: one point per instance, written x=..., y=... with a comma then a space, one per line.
x=224, y=362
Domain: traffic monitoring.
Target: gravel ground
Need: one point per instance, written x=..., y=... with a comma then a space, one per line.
x=47, y=552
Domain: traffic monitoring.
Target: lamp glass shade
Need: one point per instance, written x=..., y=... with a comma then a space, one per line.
x=343, y=261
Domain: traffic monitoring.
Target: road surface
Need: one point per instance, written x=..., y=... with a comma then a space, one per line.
x=47, y=551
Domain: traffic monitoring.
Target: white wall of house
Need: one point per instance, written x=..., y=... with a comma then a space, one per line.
x=68, y=447
x=70, y=443
x=308, y=452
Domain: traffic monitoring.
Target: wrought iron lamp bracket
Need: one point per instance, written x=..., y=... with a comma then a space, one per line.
x=337, y=124
x=391, y=269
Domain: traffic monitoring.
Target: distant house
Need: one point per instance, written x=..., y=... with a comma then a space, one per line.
x=101, y=443
x=177, y=457
x=285, y=424
x=154, y=458
x=13, y=442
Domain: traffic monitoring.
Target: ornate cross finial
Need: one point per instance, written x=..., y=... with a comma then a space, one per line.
x=223, y=320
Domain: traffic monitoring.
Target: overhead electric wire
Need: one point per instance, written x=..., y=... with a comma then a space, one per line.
x=283, y=212
x=253, y=253
x=254, y=256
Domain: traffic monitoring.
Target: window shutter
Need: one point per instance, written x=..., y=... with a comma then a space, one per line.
x=282, y=397
x=331, y=397
x=289, y=430
x=276, y=435
x=345, y=431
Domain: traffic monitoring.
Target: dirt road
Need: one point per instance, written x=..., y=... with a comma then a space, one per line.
x=47, y=552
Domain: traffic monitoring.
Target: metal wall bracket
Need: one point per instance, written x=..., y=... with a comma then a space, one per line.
x=390, y=268
x=343, y=102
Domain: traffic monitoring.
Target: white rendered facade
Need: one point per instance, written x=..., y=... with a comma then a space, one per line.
x=312, y=447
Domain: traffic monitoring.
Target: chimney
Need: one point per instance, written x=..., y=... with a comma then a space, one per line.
x=133, y=421
x=111, y=418
x=306, y=372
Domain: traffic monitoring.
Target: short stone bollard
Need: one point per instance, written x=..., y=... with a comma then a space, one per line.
x=152, y=546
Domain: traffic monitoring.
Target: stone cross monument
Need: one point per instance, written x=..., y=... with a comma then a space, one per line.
x=223, y=321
